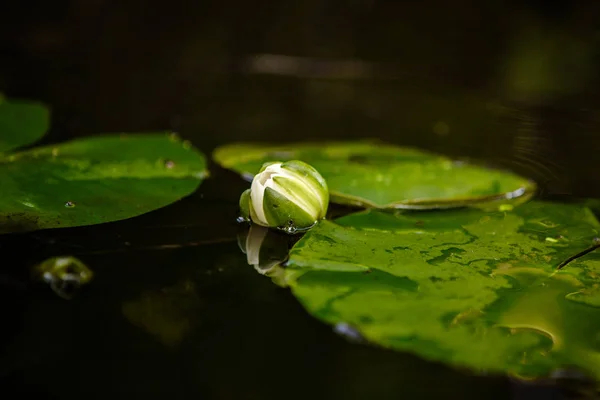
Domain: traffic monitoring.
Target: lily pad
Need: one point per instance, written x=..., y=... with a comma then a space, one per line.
x=374, y=174
x=95, y=180
x=21, y=123
x=465, y=287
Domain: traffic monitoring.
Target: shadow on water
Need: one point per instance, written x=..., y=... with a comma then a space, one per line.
x=174, y=309
x=199, y=321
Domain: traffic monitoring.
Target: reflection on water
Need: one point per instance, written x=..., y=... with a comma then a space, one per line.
x=187, y=320
x=266, y=250
x=562, y=330
x=511, y=83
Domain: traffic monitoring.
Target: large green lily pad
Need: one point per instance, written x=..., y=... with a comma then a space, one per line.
x=21, y=123
x=95, y=180
x=374, y=174
x=86, y=181
x=468, y=288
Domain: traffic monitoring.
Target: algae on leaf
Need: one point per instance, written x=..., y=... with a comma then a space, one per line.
x=467, y=287
x=374, y=174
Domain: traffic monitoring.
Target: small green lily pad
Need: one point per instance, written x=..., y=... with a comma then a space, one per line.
x=373, y=174
x=95, y=180
x=465, y=287
x=21, y=123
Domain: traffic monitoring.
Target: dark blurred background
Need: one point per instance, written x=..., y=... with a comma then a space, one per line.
x=512, y=83
x=515, y=83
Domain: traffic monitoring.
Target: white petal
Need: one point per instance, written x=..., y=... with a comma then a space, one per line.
x=257, y=192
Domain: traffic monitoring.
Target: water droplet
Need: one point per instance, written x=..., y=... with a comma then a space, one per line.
x=70, y=204
x=169, y=164
x=187, y=144
x=290, y=227
x=348, y=331
x=174, y=136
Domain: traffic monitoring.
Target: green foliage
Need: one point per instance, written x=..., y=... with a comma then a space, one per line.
x=468, y=288
x=374, y=174
x=21, y=123
x=87, y=181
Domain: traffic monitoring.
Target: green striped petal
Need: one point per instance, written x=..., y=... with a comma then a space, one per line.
x=284, y=214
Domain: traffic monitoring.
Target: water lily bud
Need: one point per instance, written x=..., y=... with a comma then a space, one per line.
x=290, y=196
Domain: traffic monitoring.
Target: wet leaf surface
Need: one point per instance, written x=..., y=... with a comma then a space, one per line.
x=468, y=288
x=95, y=180
x=21, y=123
x=376, y=174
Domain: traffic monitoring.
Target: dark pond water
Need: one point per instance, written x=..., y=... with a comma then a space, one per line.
x=174, y=309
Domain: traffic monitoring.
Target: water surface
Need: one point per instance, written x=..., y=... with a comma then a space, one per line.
x=174, y=309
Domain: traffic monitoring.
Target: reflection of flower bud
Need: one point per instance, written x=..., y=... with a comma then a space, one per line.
x=290, y=196
x=266, y=250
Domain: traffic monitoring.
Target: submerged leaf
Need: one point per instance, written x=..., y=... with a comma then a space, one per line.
x=21, y=123
x=464, y=287
x=167, y=314
x=95, y=180
x=65, y=275
x=381, y=175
